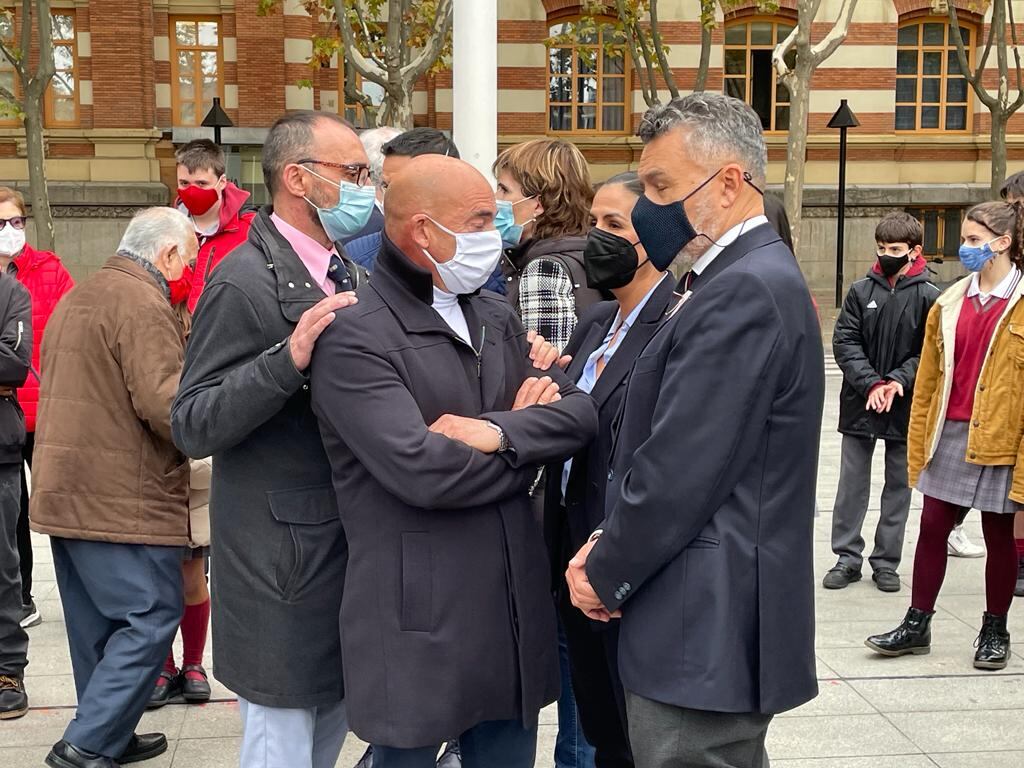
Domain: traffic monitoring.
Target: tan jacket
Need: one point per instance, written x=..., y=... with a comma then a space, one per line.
x=997, y=423
x=104, y=466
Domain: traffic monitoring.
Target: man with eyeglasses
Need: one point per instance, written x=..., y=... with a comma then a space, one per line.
x=278, y=548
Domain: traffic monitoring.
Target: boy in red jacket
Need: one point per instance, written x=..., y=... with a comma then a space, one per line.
x=215, y=206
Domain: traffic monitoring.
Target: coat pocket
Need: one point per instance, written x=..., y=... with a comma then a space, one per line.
x=703, y=542
x=417, y=583
x=307, y=517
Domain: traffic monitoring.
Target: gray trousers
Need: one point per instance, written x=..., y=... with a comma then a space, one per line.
x=13, y=639
x=852, y=504
x=664, y=736
x=122, y=606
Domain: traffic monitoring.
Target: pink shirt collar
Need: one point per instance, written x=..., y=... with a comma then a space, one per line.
x=314, y=256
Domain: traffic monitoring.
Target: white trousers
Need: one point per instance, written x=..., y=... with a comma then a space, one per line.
x=274, y=737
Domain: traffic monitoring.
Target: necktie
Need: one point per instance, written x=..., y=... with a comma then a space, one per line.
x=338, y=273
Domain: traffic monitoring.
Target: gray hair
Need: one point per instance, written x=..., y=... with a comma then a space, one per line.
x=720, y=129
x=291, y=139
x=152, y=229
x=373, y=142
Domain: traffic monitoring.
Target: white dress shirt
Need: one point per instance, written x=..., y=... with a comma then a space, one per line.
x=447, y=306
x=726, y=240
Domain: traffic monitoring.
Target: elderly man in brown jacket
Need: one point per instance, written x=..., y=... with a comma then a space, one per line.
x=110, y=488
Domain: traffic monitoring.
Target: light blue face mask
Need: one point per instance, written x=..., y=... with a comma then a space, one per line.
x=350, y=215
x=976, y=257
x=505, y=221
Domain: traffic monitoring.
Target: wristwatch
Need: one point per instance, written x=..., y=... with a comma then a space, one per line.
x=503, y=445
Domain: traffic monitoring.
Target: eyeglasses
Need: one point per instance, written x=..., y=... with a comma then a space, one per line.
x=355, y=173
x=18, y=222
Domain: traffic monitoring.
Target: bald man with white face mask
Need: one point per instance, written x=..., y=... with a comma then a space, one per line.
x=435, y=419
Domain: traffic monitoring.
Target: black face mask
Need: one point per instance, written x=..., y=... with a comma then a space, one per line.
x=610, y=261
x=891, y=265
x=666, y=229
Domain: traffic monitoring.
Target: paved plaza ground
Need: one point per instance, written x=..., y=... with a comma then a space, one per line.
x=920, y=711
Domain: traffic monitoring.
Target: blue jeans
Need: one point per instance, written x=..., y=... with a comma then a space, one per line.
x=494, y=744
x=571, y=747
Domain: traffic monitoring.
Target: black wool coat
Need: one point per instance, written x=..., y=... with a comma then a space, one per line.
x=447, y=619
x=278, y=547
x=878, y=337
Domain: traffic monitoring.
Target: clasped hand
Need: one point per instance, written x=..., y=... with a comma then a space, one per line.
x=581, y=592
x=881, y=398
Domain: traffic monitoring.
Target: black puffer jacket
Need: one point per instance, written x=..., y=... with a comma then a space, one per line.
x=878, y=337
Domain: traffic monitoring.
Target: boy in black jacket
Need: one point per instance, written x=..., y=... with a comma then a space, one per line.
x=15, y=361
x=877, y=344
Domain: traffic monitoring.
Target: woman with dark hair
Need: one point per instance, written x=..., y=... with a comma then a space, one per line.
x=544, y=193
x=966, y=439
x=607, y=341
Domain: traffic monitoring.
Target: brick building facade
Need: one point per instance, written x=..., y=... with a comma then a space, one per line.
x=137, y=76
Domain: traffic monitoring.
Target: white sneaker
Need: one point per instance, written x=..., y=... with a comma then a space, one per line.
x=959, y=545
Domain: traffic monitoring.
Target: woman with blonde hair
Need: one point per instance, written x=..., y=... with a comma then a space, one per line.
x=544, y=195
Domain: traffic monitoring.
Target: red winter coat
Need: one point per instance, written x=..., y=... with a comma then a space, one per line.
x=46, y=279
x=233, y=231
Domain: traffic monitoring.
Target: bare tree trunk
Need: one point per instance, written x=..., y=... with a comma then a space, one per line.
x=36, y=152
x=998, y=153
x=796, y=146
x=705, y=61
x=400, y=115
x=659, y=51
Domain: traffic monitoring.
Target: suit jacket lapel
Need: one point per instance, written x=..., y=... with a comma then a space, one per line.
x=756, y=238
x=595, y=335
x=636, y=339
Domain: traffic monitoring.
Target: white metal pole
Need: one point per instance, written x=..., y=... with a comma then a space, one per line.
x=475, y=82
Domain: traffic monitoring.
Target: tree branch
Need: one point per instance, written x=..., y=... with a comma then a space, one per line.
x=782, y=69
x=649, y=93
x=10, y=98
x=1019, y=101
x=393, y=56
x=12, y=58
x=836, y=35
x=659, y=49
x=45, y=68
x=26, y=34
x=350, y=51
x=974, y=79
x=426, y=58
x=641, y=38
x=361, y=19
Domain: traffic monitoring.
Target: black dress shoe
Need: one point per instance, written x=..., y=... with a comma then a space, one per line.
x=993, y=643
x=914, y=636
x=840, y=577
x=167, y=687
x=451, y=757
x=143, y=747
x=64, y=755
x=13, y=699
x=366, y=761
x=1018, y=591
x=886, y=579
x=194, y=691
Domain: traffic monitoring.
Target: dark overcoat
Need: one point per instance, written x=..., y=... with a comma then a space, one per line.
x=278, y=548
x=708, y=540
x=447, y=619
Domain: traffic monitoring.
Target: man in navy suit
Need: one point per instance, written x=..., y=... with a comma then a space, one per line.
x=706, y=547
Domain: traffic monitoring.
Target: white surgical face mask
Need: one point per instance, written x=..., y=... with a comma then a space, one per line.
x=476, y=256
x=11, y=241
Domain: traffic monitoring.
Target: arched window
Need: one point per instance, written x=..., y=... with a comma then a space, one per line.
x=588, y=76
x=749, y=75
x=931, y=92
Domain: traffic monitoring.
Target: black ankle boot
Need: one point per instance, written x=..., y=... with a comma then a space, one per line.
x=914, y=635
x=993, y=643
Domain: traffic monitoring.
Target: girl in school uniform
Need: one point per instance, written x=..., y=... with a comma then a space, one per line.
x=965, y=446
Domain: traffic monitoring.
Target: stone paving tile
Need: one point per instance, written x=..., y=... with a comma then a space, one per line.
x=837, y=737
x=878, y=761
x=1009, y=759
x=959, y=694
x=962, y=731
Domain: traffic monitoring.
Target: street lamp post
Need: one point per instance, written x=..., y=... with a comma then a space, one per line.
x=217, y=118
x=843, y=119
x=475, y=82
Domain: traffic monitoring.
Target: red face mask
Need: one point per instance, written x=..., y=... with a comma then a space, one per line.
x=197, y=199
